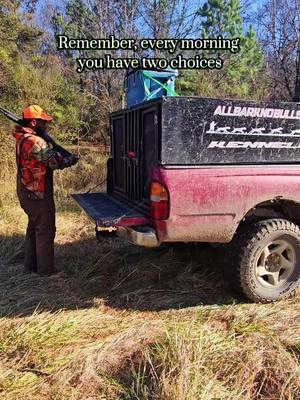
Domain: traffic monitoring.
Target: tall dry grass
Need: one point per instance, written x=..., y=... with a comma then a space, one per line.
x=236, y=353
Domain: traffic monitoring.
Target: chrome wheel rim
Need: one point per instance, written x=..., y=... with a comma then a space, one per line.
x=275, y=263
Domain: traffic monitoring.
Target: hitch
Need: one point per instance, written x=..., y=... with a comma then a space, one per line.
x=105, y=232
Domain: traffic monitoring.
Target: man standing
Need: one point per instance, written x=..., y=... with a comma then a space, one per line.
x=36, y=160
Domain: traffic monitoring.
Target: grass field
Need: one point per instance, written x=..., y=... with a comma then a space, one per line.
x=122, y=322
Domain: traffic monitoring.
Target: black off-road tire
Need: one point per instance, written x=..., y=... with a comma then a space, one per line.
x=252, y=247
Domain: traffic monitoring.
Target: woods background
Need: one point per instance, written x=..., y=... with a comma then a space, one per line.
x=121, y=321
x=33, y=71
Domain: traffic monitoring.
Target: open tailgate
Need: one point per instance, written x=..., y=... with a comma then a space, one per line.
x=106, y=210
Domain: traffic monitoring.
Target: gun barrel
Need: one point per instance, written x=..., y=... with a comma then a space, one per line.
x=19, y=121
x=11, y=116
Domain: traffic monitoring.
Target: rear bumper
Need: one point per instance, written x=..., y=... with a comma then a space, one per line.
x=140, y=235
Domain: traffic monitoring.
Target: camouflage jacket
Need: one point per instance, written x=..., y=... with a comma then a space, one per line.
x=34, y=155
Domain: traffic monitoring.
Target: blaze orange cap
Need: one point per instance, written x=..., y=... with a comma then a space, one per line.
x=36, y=112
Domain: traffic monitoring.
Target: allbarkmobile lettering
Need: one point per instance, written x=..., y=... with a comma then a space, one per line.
x=227, y=130
x=242, y=131
x=257, y=112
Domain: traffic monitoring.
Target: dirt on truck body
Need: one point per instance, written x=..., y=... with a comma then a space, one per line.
x=190, y=169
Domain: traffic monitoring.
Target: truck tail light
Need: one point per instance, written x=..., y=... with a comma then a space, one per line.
x=159, y=197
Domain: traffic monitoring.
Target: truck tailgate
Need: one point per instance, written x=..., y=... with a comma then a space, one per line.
x=106, y=210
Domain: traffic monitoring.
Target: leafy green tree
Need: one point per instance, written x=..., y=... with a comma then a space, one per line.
x=18, y=37
x=241, y=71
x=30, y=75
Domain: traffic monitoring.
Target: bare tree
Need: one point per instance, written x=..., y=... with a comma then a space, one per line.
x=279, y=30
x=134, y=19
x=167, y=18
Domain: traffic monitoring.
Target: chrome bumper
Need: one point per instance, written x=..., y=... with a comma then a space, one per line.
x=140, y=235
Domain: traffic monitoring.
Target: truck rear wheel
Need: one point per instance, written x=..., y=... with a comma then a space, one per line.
x=268, y=264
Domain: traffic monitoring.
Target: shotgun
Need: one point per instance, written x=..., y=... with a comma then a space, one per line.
x=45, y=135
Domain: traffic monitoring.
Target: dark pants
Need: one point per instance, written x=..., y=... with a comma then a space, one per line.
x=39, y=244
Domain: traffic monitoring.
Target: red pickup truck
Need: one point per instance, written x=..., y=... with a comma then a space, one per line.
x=190, y=169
